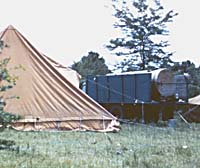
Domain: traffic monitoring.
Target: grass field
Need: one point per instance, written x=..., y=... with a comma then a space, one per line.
x=134, y=146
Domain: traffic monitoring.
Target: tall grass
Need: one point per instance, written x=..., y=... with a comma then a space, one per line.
x=134, y=146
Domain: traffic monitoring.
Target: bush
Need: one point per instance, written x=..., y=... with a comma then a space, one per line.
x=6, y=82
x=193, y=90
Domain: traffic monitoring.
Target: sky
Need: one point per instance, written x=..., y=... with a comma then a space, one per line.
x=66, y=30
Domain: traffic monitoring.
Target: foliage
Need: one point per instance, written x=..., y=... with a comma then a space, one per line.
x=92, y=64
x=6, y=82
x=193, y=90
x=134, y=146
x=6, y=144
x=188, y=67
x=142, y=26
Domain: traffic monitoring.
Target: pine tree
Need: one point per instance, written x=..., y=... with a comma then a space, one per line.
x=143, y=26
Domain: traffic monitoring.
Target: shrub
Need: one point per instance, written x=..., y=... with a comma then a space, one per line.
x=7, y=82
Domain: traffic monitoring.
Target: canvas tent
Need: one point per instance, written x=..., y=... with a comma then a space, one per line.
x=47, y=99
x=195, y=100
x=193, y=113
x=191, y=110
x=67, y=72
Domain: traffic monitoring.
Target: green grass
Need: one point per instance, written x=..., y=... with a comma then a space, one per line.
x=134, y=146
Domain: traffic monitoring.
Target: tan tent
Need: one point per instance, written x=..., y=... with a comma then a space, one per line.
x=47, y=99
x=195, y=100
x=192, y=110
x=67, y=72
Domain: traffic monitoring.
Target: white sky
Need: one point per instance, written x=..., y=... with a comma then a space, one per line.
x=66, y=30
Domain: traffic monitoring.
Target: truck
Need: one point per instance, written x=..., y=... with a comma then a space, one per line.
x=142, y=95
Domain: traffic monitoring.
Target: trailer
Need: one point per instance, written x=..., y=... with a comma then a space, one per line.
x=139, y=95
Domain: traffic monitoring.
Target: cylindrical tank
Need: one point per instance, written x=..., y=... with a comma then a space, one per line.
x=163, y=83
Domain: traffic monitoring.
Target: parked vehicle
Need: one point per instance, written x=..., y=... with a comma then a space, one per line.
x=139, y=95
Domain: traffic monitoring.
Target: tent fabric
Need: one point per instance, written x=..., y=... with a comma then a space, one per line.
x=67, y=72
x=193, y=113
x=47, y=100
x=195, y=100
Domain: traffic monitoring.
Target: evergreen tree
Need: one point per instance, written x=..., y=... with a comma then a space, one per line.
x=92, y=64
x=142, y=26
